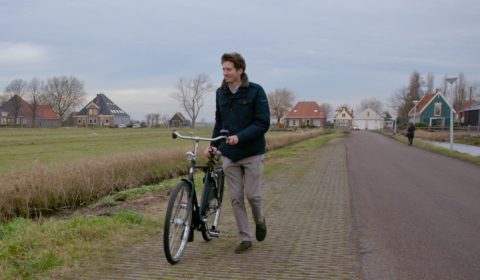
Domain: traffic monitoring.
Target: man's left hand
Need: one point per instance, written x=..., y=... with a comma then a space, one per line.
x=232, y=140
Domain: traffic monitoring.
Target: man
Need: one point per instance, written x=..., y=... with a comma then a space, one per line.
x=242, y=109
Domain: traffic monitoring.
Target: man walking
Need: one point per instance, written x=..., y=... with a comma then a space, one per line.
x=242, y=109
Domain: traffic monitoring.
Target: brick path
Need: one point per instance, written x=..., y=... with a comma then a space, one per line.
x=310, y=232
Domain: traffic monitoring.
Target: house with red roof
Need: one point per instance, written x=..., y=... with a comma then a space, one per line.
x=433, y=110
x=306, y=114
x=18, y=112
x=466, y=113
x=470, y=115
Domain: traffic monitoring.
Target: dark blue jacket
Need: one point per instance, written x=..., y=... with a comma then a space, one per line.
x=245, y=114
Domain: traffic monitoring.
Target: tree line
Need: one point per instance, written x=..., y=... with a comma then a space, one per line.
x=62, y=93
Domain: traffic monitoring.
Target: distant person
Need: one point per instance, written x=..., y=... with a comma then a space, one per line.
x=410, y=133
x=242, y=109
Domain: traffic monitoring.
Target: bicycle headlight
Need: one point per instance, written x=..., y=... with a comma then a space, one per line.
x=190, y=156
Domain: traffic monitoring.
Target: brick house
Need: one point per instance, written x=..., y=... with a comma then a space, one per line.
x=306, y=114
x=18, y=112
x=101, y=111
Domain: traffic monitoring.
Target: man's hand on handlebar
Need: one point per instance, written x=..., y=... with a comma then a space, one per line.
x=212, y=151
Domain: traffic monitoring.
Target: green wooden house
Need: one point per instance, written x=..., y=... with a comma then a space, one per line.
x=433, y=110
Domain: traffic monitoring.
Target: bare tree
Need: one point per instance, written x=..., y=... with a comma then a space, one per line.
x=328, y=110
x=430, y=83
x=415, y=87
x=35, y=94
x=3, y=99
x=191, y=94
x=399, y=102
x=459, y=96
x=372, y=103
x=152, y=119
x=63, y=94
x=15, y=91
x=280, y=102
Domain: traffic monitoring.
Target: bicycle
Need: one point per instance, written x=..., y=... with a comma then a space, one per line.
x=184, y=213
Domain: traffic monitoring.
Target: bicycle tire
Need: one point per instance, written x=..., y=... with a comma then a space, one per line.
x=178, y=223
x=220, y=184
x=210, y=204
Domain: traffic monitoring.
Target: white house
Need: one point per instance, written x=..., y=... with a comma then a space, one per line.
x=368, y=120
x=343, y=118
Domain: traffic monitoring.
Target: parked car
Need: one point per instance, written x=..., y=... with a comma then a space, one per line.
x=122, y=125
x=136, y=125
x=356, y=127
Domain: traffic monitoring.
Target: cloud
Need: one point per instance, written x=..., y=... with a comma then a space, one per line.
x=18, y=54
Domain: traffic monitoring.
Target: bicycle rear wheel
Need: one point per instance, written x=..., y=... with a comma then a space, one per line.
x=178, y=221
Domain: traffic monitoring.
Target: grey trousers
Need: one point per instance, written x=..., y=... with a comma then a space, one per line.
x=244, y=180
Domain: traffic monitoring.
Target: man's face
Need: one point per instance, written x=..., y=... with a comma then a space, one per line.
x=230, y=74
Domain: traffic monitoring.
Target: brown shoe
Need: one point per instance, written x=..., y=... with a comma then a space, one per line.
x=244, y=246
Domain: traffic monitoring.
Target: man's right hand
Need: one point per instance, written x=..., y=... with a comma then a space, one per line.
x=211, y=151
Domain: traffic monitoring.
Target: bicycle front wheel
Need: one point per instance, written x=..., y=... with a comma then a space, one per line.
x=178, y=221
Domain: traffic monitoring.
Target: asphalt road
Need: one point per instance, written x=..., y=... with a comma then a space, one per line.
x=417, y=213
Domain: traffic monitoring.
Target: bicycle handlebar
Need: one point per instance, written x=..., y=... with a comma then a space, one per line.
x=175, y=134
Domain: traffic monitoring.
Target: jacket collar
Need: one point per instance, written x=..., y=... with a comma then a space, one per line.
x=245, y=82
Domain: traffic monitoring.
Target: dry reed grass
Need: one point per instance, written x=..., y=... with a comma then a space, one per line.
x=46, y=189
x=49, y=188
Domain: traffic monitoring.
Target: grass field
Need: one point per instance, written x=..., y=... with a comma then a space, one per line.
x=22, y=148
x=30, y=248
x=43, y=170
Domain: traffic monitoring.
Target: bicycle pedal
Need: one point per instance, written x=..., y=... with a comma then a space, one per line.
x=214, y=233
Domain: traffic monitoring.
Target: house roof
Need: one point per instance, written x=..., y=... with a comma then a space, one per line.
x=423, y=102
x=46, y=112
x=106, y=106
x=344, y=109
x=306, y=109
x=426, y=100
x=42, y=111
x=473, y=107
x=470, y=105
x=179, y=115
x=368, y=114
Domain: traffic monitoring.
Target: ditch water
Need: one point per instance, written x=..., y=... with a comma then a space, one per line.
x=462, y=148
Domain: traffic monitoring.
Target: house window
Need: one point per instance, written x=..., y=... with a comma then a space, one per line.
x=343, y=115
x=438, y=109
x=106, y=121
x=92, y=111
x=79, y=120
x=90, y=121
x=294, y=122
x=368, y=114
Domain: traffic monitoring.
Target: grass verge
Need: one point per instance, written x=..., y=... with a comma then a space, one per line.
x=440, y=150
x=30, y=248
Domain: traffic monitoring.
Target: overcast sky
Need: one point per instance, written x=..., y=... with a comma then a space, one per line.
x=330, y=51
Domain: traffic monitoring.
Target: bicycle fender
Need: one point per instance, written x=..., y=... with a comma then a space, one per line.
x=190, y=183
